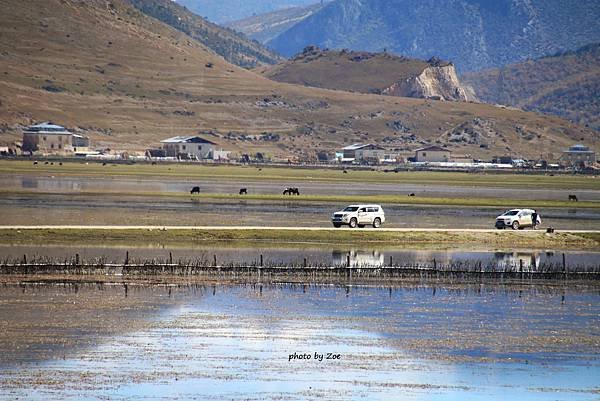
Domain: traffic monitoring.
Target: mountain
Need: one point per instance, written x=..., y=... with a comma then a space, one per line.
x=565, y=85
x=475, y=34
x=227, y=43
x=105, y=69
x=365, y=72
x=221, y=11
x=265, y=27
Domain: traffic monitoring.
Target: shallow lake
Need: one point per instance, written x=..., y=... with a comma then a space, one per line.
x=132, y=185
x=237, y=342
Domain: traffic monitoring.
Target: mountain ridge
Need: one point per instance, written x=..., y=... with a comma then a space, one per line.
x=222, y=12
x=565, y=84
x=265, y=27
x=227, y=43
x=476, y=34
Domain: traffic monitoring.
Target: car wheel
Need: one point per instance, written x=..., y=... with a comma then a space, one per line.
x=377, y=222
x=500, y=228
x=337, y=225
x=515, y=225
x=353, y=223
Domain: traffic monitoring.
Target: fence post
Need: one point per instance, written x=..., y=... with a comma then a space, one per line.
x=170, y=258
x=215, y=260
x=261, y=260
x=305, y=264
x=391, y=261
x=24, y=259
x=347, y=260
x=127, y=258
x=521, y=268
x=77, y=259
x=564, y=258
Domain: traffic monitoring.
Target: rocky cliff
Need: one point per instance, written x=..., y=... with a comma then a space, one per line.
x=434, y=82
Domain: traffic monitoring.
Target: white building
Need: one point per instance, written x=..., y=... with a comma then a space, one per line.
x=193, y=147
x=359, y=152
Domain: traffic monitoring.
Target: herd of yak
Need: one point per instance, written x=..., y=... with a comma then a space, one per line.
x=244, y=191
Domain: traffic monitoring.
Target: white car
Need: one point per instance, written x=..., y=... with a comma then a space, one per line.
x=359, y=215
x=516, y=219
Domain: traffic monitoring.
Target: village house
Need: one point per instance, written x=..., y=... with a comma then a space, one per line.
x=48, y=138
x=362, y=153
x=432, y=154
x=578, y=155
x=80, y=143
x=193, y=147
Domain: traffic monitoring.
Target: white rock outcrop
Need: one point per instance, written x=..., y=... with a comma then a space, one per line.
x=434, y=82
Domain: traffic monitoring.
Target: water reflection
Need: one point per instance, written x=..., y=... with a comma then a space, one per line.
x=517, y=260
x=357, y=258
x=234, y=342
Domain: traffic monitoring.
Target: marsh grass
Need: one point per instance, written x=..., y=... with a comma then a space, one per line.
x=181, y=237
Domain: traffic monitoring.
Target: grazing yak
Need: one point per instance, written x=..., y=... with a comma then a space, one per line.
x=195, y=190
x=291, y=191
x=573, y=198
x=243, y=191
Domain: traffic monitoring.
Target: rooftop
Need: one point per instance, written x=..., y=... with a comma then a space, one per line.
x=433, y=148
x=357, y=146
x=579, y=148
x=47, y=128
x=354, y=146
x=186, y=139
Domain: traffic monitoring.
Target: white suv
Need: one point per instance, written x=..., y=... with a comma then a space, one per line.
x=516, y=219
x=359, y=215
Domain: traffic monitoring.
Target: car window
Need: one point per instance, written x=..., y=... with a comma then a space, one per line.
x=375, y=209
x=511, y=213
x=351, y=209
x=363, y=209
